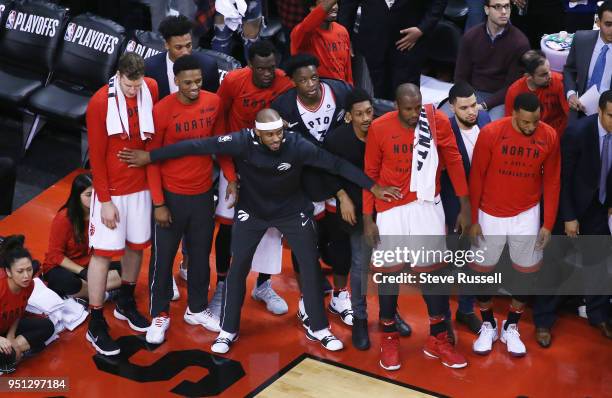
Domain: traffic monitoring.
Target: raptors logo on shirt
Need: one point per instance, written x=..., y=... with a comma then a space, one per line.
x=318, y=120
x=284, y=166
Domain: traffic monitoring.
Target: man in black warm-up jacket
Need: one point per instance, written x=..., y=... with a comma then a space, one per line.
x=269, y=162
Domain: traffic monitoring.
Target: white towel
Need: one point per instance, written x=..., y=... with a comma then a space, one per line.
x=73, y=314
x=117, y=116
x=65, y=314
x=268, y=257
x=43, y=300
x=232, y=10
x=424, y=161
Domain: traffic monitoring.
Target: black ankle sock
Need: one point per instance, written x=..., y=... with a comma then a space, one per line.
x=436, y=326
x=221, y=278
x=487, y=316
x=513, y=317
x=388, y=327
x=127, y=289
x=261, y=278
x=96, y=313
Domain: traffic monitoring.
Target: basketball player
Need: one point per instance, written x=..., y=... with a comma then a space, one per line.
x=389, y=161
x=119, y=115
x=244, y=92
x=320, y=35
x=269, y=162
x=183, y=199
x=515, y=160
x=314, y=107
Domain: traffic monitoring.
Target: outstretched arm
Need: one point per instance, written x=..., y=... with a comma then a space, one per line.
x=231, y=145
x=320, y=158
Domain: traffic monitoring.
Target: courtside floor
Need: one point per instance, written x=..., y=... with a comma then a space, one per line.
x=273, y=358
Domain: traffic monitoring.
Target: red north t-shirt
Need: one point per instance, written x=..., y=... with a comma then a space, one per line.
x=62, y=243
x=242, y=100
x=331, y=46
x=555, y=109
x=112, y=177
x=388, y=158
x=510, y=171
x=175, y=122
x=12, y=305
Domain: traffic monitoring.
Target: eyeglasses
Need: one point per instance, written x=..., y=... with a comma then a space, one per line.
x=499, y=7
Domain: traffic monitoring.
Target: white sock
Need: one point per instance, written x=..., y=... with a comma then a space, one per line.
x=225, y=335
x=319, y=334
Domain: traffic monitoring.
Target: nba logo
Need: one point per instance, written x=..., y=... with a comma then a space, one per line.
x=10, y=21
x=131, y=46
x=70, y=31
x=2, y=7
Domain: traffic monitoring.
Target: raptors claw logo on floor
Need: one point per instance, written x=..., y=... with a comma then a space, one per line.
x=222, y=372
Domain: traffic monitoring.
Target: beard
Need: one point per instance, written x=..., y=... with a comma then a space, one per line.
x=466, y=122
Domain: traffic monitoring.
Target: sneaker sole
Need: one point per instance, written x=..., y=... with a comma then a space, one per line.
x=99, y=350
x=122, y=317
x=392, y=367
x=195, y=323
x=488, y=351
x=229, y=347
x=157, y=342
x=514, y=354
x=454, y=366
x=333, y=311
x=312, y=338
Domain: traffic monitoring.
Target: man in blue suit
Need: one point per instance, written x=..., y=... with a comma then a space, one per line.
x=466, y=122
x=176, y=31
x=586, y=190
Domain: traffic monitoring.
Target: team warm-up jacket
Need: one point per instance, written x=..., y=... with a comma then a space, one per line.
x=286, y=105
x=270, y=186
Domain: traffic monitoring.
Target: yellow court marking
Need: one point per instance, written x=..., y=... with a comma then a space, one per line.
x=315, y=379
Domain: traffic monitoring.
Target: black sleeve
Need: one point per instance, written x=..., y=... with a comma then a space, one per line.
x=434, y=12
x=314, y=156
x=569, y=157
x=231, y=144
x=347, y=13
x=570, y=70
x=210, y=70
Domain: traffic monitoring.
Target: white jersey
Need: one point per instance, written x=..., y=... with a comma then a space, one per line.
x=318, y=120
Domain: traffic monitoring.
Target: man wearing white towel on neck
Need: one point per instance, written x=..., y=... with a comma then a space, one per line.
x=119, y=115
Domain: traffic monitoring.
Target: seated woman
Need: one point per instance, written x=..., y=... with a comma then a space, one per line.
x=65, y=266
x=20, y=335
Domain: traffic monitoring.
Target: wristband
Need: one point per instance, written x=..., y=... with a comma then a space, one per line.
x=158, y=206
